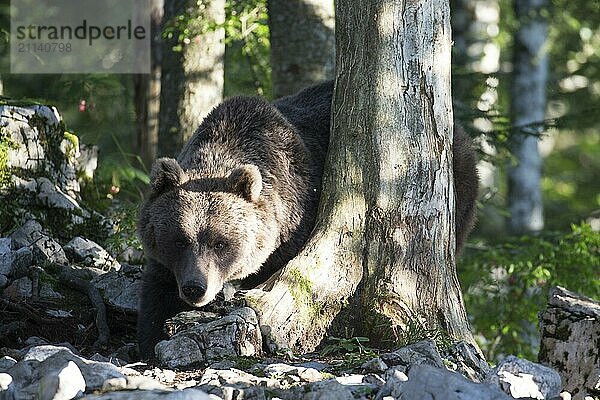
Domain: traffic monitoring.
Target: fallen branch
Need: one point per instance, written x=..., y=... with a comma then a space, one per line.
x=69, y=277
x=28, y=311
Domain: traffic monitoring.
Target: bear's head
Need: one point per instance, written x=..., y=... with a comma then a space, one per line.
x=205, y=230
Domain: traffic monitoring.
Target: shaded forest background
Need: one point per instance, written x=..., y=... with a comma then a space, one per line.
x=504, y=278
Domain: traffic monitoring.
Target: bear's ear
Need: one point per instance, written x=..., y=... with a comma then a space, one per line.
x=165, y=175
x=246, y=182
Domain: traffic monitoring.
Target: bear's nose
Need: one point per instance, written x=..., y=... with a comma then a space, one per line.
x=193, y=291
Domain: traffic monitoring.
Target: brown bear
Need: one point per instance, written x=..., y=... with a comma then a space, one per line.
x=240, y=201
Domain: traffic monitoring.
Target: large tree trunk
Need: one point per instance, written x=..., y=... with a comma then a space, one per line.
x=302, y=43
x=528, y=105
x=191, y=79
x=384, y=240
x=147, y=93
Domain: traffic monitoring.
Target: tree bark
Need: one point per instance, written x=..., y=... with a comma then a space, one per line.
x=147, y=93
x=302, y=43
x=191, y=79
x=384, y=240
x=528, y=92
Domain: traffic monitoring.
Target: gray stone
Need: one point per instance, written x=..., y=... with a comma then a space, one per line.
x=90, y=254
x=394, y=379
x=96, y=373
x=143, y=382
x=319, y=366
x=570, y=333
x=59, y=313
x=43, y=247
x=226, y=364
x=130, y=255
x=593, y=381
x=23, y=259
x=464, y=358
x=87, y=162
x=124, y=354
x=327, y=390
x=303, y=374
x=113, y=360
x=235, y=334
x=354, y=379
x=46, y=292
x=44, y=360
x=114, y=384
x=6, y=256
x=34, y=132
x=120, y=289
x=29, y=185
x=19, y=289
x=162, y=375
x=14, y=262
x=232, y=384
x=49, y=195
x=345, y=387
x=423, y=352
x=40, y=353
x=3, y=281
x=525, y=379
x=63, y=384
x=179, y=352
x=32, y=341
x=374, y=379
x=428, y=382
x=375, y=365
x=5, y=381
x=5, y=245
x=187, y=394
x=26, y=234
x=6, y=362
x=188, y=319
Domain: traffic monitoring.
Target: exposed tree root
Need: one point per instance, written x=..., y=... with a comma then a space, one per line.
x=28, y=311
x=68, y=276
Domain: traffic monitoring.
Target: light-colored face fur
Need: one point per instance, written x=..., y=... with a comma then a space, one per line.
x=206, y=231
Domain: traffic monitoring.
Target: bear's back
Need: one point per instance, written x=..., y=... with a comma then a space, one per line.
x=310, y=112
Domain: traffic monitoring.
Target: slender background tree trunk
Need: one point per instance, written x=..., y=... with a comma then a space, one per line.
x=147, y=93
x=386, y=218
x=528, y=108
x=475, y=65
x=302, y=43
x=191, y=79
x=475, y=24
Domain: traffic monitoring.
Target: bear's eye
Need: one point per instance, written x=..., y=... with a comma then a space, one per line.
x=181, y=243
x=219, y=246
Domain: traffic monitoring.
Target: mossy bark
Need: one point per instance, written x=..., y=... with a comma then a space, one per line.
x=383, y=246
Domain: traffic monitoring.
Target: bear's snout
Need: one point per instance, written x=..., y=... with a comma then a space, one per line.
x=193, y=291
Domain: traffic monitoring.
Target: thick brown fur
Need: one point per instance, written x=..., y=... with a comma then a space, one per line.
x=241, y=199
